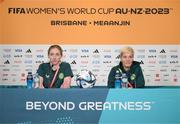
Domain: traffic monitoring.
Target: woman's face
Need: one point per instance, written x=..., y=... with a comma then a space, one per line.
x=127, y=59
x=54, y=56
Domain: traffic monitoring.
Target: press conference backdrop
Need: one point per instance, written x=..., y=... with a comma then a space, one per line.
x=152, y=28
x=160, y=63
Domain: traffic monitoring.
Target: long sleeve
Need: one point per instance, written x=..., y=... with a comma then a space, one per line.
x=111, y=78
x=140, y=82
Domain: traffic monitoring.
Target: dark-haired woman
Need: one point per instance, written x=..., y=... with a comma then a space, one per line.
x=55, y=73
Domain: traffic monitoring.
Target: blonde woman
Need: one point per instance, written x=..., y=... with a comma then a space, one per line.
x=128, y=66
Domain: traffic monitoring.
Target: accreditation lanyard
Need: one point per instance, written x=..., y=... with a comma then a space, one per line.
x=55, y=75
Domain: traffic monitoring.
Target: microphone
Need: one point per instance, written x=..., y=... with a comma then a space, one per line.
x=54, y=68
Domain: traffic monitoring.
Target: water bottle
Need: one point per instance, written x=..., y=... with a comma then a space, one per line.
x=29, y=80
x=124, y=79
x=36, y=80
x=117, y=82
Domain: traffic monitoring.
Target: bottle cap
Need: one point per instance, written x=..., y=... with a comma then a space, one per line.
x=29, y=72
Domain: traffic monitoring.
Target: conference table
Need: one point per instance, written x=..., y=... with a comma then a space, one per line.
x=151, y=104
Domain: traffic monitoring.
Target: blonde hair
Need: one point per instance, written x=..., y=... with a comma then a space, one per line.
x=126, y=49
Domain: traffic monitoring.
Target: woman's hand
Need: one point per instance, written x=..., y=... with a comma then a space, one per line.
x=41, y=82
x=66, y=83
x=130, y=86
